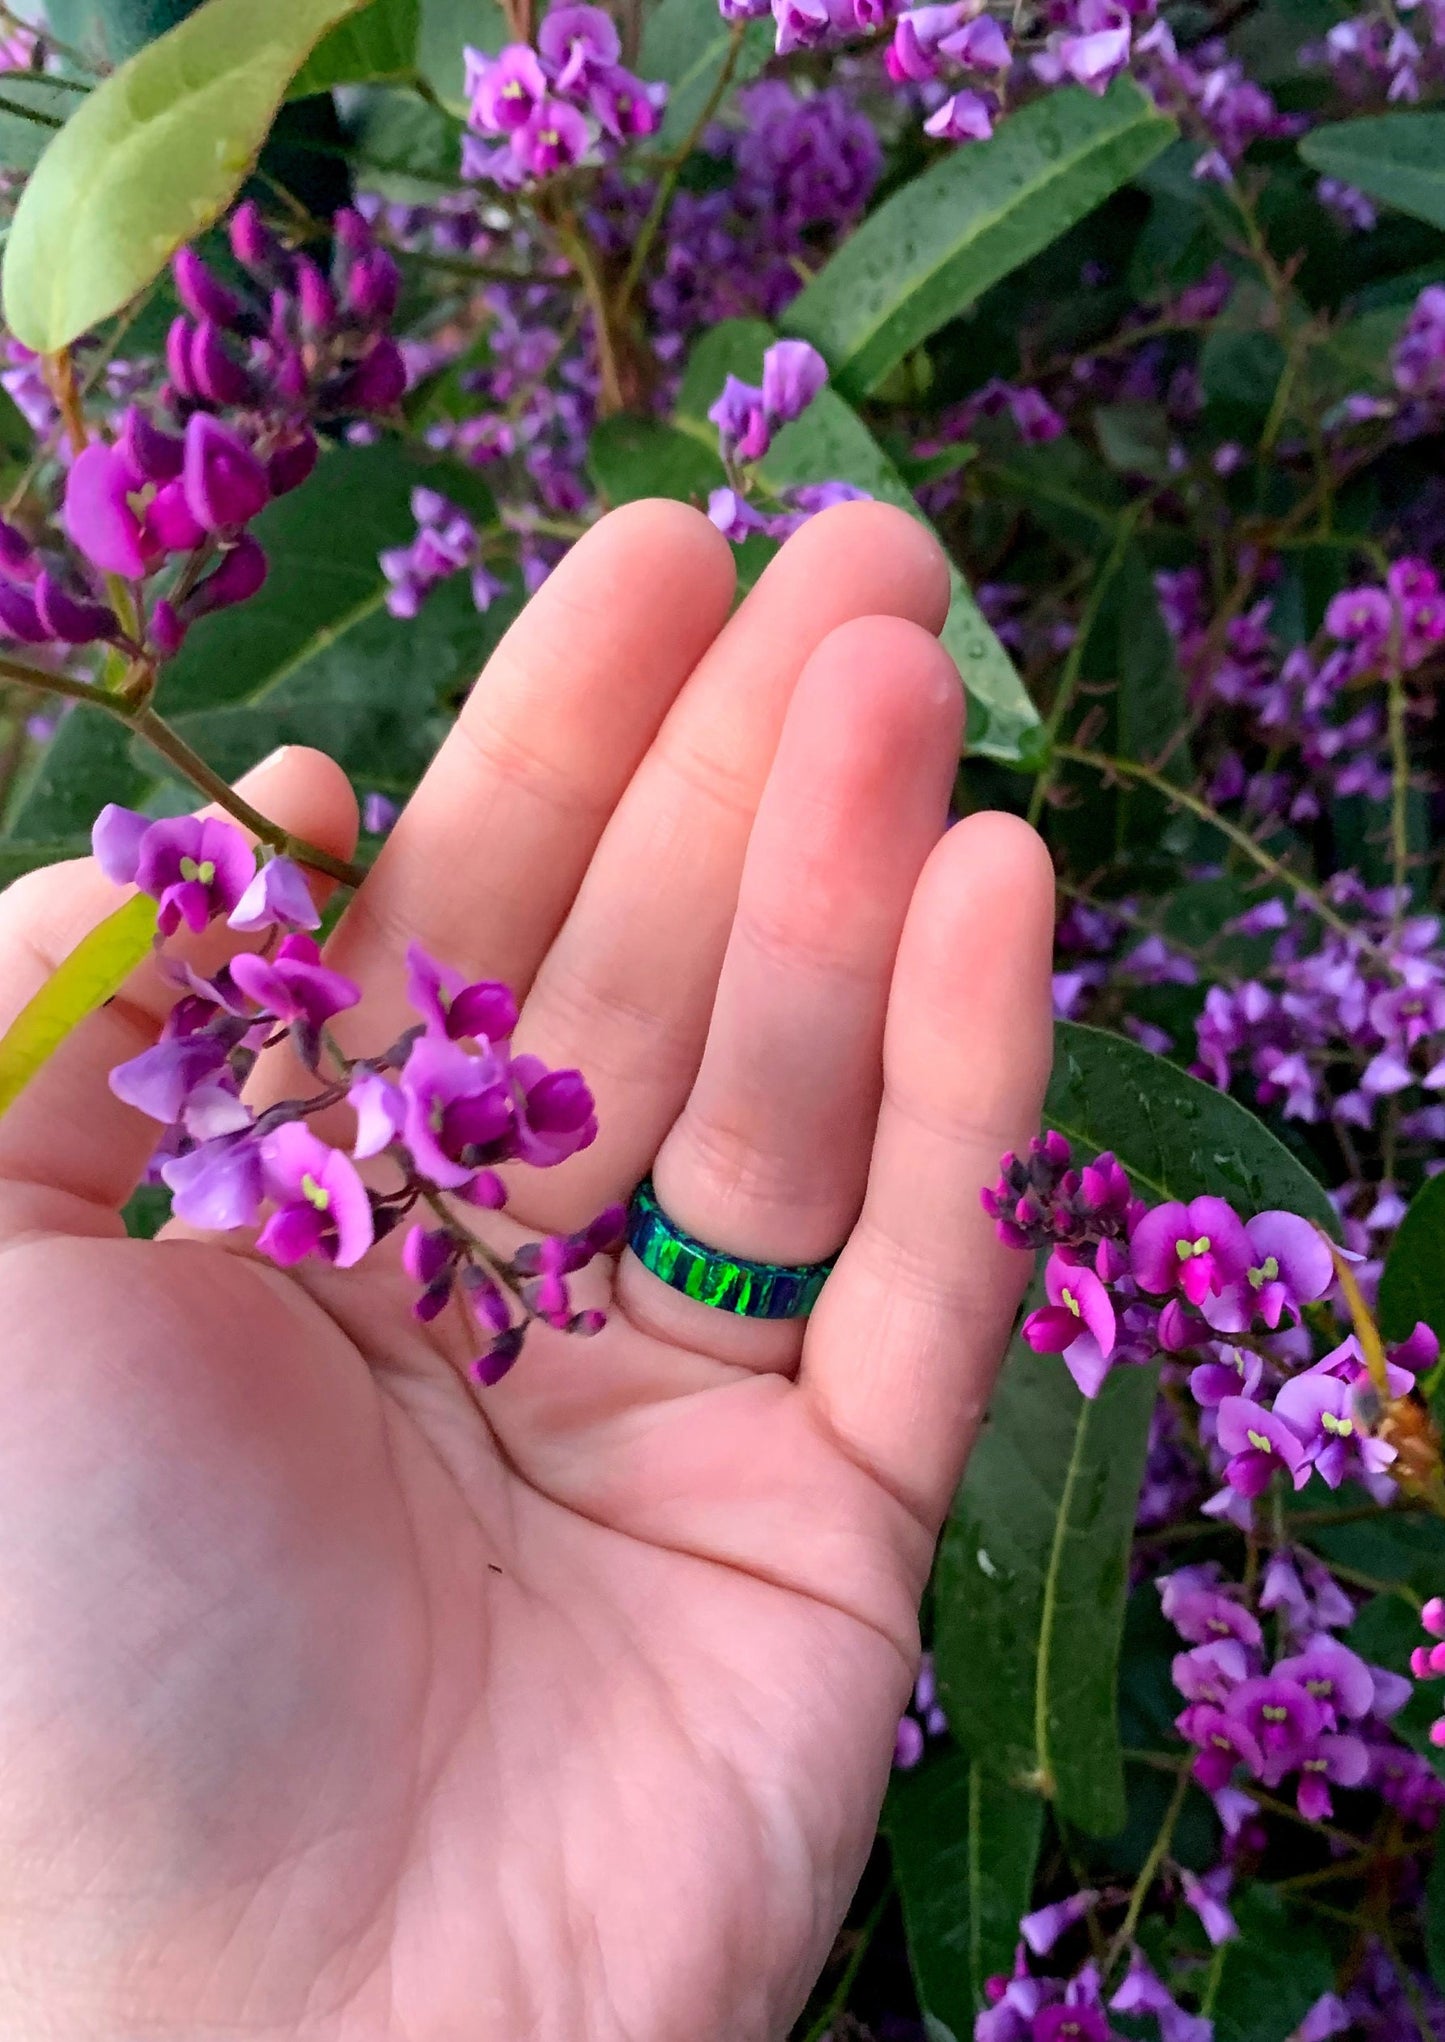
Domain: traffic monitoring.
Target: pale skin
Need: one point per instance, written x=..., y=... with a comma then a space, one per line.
x=341, y=1701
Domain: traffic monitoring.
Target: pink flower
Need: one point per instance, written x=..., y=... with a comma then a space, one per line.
x=1078, y=1322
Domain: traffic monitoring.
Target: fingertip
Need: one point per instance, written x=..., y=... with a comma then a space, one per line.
x=675, y=541
x=307, y=794
x=896, y=663
x=893, y=553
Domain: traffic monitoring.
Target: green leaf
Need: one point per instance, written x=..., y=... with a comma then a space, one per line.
x=1396, y=1548
x=31, y=110
x=1177, y=1138
x=964, y=1848
x=18, y=859
x=939, y=242
x=1269, y=1978
x=1412, y=1286
x=379, y=43
x=93, y=973
x=1032, y=1578
x=85, y=765
x=447, y=27
x=151, y=158
x=1398, y=158
x=687, y=46
x=830, y=442
x=636, y=457
x=112, y=30
x=316, y=658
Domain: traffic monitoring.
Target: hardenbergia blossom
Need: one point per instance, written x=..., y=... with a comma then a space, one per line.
x=435, y=1116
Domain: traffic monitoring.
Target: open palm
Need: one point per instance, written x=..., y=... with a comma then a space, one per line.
x=341, y=1701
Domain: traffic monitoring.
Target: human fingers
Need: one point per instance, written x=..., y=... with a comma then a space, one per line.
x=626, y=992
x=902, y=1351
x=769, y=1156
x=484, y=862
x=67, y=1132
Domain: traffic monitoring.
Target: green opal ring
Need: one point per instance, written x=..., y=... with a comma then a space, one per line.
x=753, y=1290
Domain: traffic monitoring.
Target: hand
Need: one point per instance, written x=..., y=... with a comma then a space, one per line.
x=343, y=1702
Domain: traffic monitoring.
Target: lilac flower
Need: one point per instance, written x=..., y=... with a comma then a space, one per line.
x=506, y=90
x=741, y=420
x=965, y=117
x=554, y=137
x=217, y=1186
x=1203, y=1612
x=1207, y=1898
x=1198, y=1249
x=1320, y=1409
x=98, y=514
x=460, y=1112
x=793, y=374
x=1210, y=1673
x=1344, y=1760
x=196, y=868
x=452, y=1008
x=1078, y=1322
x=294, y=986
x=225, y=485
x=1290, y=1266
x=1258, y=1443
x=1095, y=52
x=321, y=1204
x=1282, y=1717
x=278, y=897
x=1044, y=1928
x=1224, y=1741
x=162, y=1079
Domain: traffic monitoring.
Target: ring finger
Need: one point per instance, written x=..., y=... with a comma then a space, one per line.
x=769, y=1158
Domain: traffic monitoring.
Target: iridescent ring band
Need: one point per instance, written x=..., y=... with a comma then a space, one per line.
x=753, y=1290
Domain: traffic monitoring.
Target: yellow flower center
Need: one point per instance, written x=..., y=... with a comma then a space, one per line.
x=314, y=1193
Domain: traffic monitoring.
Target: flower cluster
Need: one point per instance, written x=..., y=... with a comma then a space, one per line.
x=533, y=112
x=447, y=542
x=1427, y=1662
x=154, y=516
x=436, y=1115
x=747, y=417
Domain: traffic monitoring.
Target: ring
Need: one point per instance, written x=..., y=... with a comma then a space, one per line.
x=752, y=1290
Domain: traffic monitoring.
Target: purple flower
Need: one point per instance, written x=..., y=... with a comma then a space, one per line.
x=225, y=485
x=1078, y=1322
x=1282, y=1717
x=460, y=1112
x=161, y=1080
x=908, y=1743
x=1344, y=1760
x=218, y=1185
x=278, y=897
x=1290, y=1266
x=380, y=1109
x=98, y=513
x=980, y=45
x=1320, y=1407
x=321, y=1204
x=1210, y=1673
x=1201, y=1612
x=741, y=420
x=1207, y=1896
x=294, y=985
x=1258, y=1443
x=195, y=867
x=793, y=374
x=555, y=1113
x=1328, y=2016
x=1198, y=1249
x=734, y=516
x=1234, y=1372
x=577, y=43
x=1337, y=1678
x=1224, y=1742
x=554, y=137
x=505, y=90
x=451, y=1007
x=965, y=117
x=1042, y=1929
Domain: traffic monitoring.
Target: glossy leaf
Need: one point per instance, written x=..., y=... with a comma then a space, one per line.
x=31, y=111
x=939, y=242
x=447, y=26
x=687, y=47
x=93, y=973
x=112, y=30
x=1032, y=1578
x=1413, y=1284
x=636, y=457
x=84, y=765
x=964, y=1847
x=1270, y=1977
x=316, y=658
x=1398, y=158
x=378, y=43
x=151, y=158
x=1176, y=1137
x=831, y=442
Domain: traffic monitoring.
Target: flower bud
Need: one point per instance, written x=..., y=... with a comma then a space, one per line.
x=224, y=482
x=202, y=292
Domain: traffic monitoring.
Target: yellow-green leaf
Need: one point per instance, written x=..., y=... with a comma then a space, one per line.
x=151, y=159
x=93, y=973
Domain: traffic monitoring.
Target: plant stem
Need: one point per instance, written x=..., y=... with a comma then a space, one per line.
x=159, y=735
x=172, y=747
x=580, y=252
x=667, y=183
x=30, y=113
x=838, y=2001
x=1130, y=769
x=1069, y=678
x=1148, y=1873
